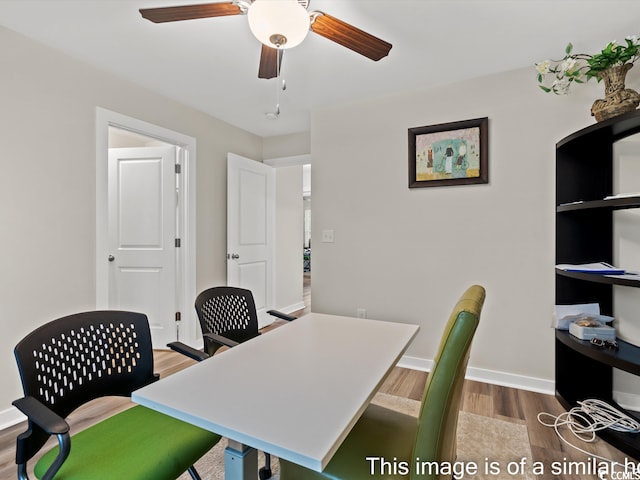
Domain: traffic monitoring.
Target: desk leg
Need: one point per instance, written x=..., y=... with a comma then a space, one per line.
x=240, y=462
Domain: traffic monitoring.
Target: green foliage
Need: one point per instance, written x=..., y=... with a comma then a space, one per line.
x=613, y=54
x=581, y=67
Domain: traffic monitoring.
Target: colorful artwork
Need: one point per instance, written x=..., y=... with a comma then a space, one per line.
x=448, y=154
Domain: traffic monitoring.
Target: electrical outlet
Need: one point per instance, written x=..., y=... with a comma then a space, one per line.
x=327, y=236
x=361, y=312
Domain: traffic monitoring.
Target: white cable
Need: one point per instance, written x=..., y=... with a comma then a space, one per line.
x=589, y=417
x=606, y=416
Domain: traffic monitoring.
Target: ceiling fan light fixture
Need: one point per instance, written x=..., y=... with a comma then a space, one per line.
x=278, y=23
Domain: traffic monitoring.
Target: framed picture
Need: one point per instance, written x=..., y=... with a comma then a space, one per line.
x=449, y=154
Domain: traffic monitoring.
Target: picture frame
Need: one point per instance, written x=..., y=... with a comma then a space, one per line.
x=454, y=153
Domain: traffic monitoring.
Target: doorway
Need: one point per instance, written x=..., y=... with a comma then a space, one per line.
x=294, y=244
x=306, y=267
x=140, y=288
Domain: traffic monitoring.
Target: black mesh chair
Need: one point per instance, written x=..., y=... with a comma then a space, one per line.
x=227, y=317
x=75, y=359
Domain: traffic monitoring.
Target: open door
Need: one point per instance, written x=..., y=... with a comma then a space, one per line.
x=250, y=230
x=142, y=232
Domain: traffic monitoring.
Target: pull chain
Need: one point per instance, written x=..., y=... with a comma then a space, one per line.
x=278, y=82
x=279, y=86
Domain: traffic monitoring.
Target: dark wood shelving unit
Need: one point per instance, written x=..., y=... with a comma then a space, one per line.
x=626, y=357
x=584, y=234
x=613, y=204
x=607, y=279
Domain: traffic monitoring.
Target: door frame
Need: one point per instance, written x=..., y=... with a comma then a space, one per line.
x=186, y=254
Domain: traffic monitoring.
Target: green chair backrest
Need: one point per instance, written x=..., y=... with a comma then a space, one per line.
x=438, y=421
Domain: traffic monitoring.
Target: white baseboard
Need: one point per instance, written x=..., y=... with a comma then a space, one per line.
x=532, y=384
x=629, y=401
x=10, y=417
x=415, y=363
x=488, y=376
x=292, y=308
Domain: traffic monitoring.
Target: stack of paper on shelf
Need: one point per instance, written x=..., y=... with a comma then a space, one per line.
x=598, y=267
x=565, y=315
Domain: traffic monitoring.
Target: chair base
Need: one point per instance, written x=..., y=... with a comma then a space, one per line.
x=265, y=473
x=240, y=461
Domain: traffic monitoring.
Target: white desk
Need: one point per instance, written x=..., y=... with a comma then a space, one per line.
x=294, y=392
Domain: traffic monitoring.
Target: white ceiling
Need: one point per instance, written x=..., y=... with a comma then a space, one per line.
x=212, y=64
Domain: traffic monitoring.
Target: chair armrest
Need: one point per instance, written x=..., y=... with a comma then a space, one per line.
x=41, y=415
x=52, y=424
x=199, y=355
x=281, y=315
x=220, y=340
x=190, y=352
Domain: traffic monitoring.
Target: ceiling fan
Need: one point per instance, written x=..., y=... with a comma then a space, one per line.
x=278, y=24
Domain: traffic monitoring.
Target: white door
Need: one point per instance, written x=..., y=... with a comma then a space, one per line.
x=142, y=236
x=250, y=230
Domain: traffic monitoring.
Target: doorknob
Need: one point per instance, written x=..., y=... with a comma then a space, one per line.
x=233, y=256
x=111, y=258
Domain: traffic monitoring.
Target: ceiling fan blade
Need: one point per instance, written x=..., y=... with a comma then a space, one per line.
x=270, y=62
x=190, y=12
x=349, y=36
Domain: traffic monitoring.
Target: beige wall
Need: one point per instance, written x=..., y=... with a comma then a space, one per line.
x=47, y=213
x=286, y=145
x=402, y=254
x=407, y=254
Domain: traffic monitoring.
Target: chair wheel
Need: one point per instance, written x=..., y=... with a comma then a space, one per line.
x=264, y=473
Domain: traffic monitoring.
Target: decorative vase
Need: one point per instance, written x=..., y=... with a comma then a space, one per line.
x=617, y=98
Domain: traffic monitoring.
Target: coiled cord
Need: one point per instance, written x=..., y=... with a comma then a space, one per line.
x=589, y=417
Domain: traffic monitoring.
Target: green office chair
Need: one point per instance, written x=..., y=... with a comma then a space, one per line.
x=382, y=432
x=73, y=360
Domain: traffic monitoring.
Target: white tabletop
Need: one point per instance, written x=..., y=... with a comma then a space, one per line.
x=294, y=392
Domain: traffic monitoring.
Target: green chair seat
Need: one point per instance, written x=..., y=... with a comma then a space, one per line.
x=380, y=432
x=147, y=445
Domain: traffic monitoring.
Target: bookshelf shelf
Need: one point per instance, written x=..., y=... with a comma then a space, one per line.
x=613, y=204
